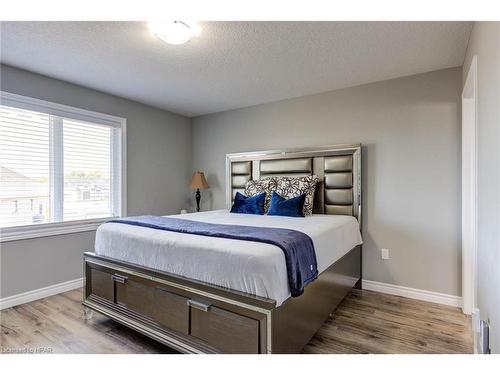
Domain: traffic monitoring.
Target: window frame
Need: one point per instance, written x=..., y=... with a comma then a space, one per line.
x=118, y=142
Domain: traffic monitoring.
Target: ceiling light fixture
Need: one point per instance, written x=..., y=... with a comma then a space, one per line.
x=174, y=32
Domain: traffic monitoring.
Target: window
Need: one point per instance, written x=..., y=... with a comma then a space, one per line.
x=61, y=168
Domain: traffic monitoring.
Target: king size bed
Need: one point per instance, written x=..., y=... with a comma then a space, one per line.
x=200, y=292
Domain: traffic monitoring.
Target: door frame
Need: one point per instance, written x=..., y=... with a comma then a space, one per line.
x=469, y=190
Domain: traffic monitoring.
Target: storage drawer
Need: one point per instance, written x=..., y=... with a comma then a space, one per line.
x=171, y=310
x=134, y=293
x=101, y=284
x=224, y=330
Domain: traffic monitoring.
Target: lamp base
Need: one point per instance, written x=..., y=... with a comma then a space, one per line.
x=198, y=198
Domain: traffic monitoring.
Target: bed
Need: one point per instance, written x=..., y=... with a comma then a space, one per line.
x=219, y=295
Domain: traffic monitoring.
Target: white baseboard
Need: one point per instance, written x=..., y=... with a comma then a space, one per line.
x=420, y=294
x=33, y=295
x=476, y=318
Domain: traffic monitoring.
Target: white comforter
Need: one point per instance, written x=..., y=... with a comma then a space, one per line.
x=251, y=267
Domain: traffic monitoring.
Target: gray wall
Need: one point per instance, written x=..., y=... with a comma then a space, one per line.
x=485, y=44
x=410, y=131
x=158, y=169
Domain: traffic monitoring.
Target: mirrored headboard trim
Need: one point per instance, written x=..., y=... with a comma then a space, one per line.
x=338, y=167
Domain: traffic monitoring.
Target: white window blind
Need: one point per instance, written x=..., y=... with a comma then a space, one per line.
x=87, y=171
x=24, y=167
x=57, y=168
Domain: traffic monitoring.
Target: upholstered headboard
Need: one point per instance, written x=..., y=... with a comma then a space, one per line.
x=338, y=168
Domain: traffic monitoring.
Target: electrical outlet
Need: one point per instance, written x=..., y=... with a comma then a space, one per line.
x=385, y=253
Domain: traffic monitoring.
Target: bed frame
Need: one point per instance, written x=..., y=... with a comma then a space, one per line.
x=195, y=317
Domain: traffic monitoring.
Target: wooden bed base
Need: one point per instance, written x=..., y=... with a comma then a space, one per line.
x=195, y=317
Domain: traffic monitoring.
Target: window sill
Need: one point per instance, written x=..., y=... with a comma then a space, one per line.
x=49, y=229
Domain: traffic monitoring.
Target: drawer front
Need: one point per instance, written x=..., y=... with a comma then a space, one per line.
x=208, y=327
x=171, y=310
x=224, y=330
x=101, y=284
x=134, y=294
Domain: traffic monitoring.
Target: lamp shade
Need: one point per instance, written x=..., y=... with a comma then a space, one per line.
x=198, y=181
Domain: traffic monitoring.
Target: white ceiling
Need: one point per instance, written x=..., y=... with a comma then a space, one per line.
x=231, y=64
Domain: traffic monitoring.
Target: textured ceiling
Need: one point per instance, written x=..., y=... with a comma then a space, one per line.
x=231, y=64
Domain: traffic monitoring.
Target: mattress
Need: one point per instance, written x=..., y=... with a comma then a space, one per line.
x=250, y=267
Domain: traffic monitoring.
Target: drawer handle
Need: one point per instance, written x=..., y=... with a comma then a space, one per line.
x=163, y=290
x=119, y=278
x=198, y=305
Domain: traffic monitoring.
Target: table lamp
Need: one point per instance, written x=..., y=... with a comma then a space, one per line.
x=198, y=182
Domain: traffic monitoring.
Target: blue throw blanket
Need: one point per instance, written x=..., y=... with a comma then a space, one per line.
x=298, y=247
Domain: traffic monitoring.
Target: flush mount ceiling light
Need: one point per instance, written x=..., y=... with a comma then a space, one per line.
x=174, y=32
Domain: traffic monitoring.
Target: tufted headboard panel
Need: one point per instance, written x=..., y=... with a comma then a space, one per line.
x=338, y=168
x=241, y=173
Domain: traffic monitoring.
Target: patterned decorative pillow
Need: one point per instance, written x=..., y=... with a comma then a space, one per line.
x=290, y=187
x=264, y=185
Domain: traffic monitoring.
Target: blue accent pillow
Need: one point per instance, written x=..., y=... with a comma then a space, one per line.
x=249, y=205
x=280, y=206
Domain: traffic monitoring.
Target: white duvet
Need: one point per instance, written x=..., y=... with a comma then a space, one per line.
x=251, y=267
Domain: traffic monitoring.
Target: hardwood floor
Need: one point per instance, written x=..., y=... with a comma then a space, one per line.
x=370, y=322
x=365, y=322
